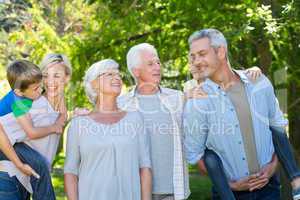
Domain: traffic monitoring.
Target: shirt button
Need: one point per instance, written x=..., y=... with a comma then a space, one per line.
x=244, y=158
x=240, y=142
x=236, y=125
x=247, y=173
x=232, y=109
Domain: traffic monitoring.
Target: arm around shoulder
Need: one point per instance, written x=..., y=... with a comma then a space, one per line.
x=195, y=130
x=32, y=132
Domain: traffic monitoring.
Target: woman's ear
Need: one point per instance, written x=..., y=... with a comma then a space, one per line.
x=67, y=79
x=136, y=72
x=94, y=84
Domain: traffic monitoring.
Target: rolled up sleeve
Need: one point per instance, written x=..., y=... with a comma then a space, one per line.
x=195, y=131
x=276, y=117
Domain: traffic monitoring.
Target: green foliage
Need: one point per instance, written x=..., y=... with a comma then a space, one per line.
x=91, y=30
x=88, y=31
x=12, y=14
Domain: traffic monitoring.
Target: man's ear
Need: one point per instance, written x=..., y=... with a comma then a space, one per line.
x=18, y=92
x=222, y=52
x=136, y=72
x=67, y=79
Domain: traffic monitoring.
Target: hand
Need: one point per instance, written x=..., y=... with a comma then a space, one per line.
x=201, y=167
x=26, y=169
x=243, y=184
x=62, y=119
x=258, y=180
x=254, y=73
x=80, y=112
x=264, y=175
x=58, y=129
x=196, y=93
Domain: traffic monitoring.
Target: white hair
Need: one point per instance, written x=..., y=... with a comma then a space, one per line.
x=52, y=58
x=133, y=57
x=95, y=71
x=215, y=37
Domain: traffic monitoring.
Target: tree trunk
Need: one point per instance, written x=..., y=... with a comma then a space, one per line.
x=293, y=115
x=60, y=29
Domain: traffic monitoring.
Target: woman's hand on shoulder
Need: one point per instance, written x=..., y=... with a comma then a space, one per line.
x=195, y=93
x=254, y=73
x=80, y=112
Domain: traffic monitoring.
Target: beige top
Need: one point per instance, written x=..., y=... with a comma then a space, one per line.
x=237, y=95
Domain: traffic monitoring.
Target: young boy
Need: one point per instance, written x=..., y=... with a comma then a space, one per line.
x=212, y=164
x=25, y=80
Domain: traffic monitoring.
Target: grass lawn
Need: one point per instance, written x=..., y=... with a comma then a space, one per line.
x=200, y=186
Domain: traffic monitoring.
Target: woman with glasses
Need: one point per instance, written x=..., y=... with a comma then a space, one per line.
x=107, y=153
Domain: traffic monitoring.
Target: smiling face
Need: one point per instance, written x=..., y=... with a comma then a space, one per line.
x=108, y=83
x=149, y=70
x=55, y=79
x=195, y=72
x=203, y=58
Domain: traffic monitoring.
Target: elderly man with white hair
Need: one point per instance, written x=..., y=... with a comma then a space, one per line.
x=107, y=153
x=162, y=111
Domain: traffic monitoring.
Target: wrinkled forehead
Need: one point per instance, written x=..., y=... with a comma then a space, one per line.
x=114, y=71
x=199, y=45
x=148, y=55
x=107, y=71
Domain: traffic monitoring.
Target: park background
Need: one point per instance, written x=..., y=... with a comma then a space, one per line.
x=264, y=33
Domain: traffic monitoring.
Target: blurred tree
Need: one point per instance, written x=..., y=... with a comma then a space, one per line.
x=263, y=33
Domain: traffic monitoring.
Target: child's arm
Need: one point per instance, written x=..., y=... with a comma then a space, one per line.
x=9, y=152
x=195, y=93
x=32, y=132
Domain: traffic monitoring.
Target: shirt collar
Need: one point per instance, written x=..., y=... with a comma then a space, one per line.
x=134, y=91
x=240, y=73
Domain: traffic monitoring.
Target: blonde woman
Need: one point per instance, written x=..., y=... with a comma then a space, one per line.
x=37, y=152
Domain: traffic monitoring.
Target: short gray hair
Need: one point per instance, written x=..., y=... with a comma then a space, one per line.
x=53, y=58
x=93, y=72
x=215, y=37
x=133, y=57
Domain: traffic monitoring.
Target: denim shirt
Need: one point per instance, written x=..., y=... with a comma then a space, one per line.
x=212, y=123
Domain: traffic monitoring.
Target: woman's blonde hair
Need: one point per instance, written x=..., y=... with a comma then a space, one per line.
x=55, y=58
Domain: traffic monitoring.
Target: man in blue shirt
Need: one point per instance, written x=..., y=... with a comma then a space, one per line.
x=233, y=120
